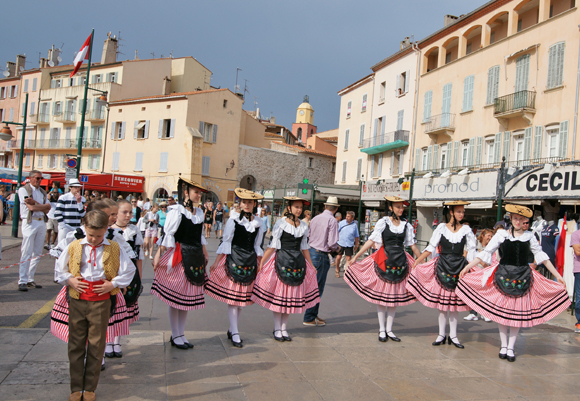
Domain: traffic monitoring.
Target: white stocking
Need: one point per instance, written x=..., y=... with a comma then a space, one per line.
x=453, y=326
x=174, y=322
x=503, y=336
x=284, y=324
x=442, y=324
x=391, y=310
x=381, y=314
x=182, y=318
x=277, y=324
x=512, y=340
x=234, y=315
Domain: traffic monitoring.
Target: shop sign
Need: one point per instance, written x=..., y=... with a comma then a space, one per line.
x=269, y=194
x=377, y=190
x=560, y=182
x=128, y=182
x=465, y=187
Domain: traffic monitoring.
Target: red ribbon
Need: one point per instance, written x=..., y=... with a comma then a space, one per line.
x=380, y=258
x=490, y=279
x=176, y=255
x=93, y=255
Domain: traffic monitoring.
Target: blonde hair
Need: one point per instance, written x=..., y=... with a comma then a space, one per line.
x=483, y=233
x=97, y=220
x=110, y=202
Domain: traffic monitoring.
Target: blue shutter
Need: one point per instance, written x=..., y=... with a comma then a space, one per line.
x=506, y=145
x=417, y=159
x=26, y=85
x=468, y=93
x=380, y=169
x=446, y=105
x=172, y=129
x=429, y=156
x=497, y=148
x=492, y=84
x=563, y=139
x=160, y=133
x=400, y=117
x=538, y=142
x=146, y=129
x=456, y=154
x=522, y=72
x=435, y=157
x=135, y=132
x=372, y=166
x=384, y=122
x=427, y=106
x=471, y=152
x=214, y=134
x=346, y=135
x=34, y=83
x=528, y=143
x=479, y=151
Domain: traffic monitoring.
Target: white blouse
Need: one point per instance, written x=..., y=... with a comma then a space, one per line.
x=281, y=226
x=251, y=226
x=70, y=237
x=172, y=221
x=377, y=236
x=131, y=232
x=502, y=235
x=454, y=238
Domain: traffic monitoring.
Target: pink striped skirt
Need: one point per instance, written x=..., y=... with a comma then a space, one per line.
x=133, y=312
x=363, y=279
x=545, y=300
x=273, y=294
x=219, y=286
x=118, y=322
x=173, y=288
x=423, y=284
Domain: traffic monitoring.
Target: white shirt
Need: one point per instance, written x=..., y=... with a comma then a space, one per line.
x=94, y=271
x=454, y=238
x=251, y=226
x=173, y=219
x=377, y=235
x=146, y=205
x=281, y=226
x=131, y=232
x=36, y=195
x=502, y=235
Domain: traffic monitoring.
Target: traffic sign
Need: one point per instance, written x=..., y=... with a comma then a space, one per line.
x=70, y=173
x=84, y=178
x=72, y=163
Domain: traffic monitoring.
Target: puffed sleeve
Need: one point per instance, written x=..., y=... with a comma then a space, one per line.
x=410, y=236
x=304, y=243
x=435, y=238
x=226, y=246
x=139, y=242
x=118, y=238
x=377, y=234
x=61, y=266
x=276, y=234
x=471, y=245
x=125, y=273
x=258, y=242
x=487, y=254
x=172, y=222
x=539, y=255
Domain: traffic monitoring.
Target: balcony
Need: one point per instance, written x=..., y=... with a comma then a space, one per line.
x=15, y=144
x=441, y=124
x=95, y=115
x=66, y=117
x=40, y=119
x=519, y=104
x=64, y=144
x=382, y=143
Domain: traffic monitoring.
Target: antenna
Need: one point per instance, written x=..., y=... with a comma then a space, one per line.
x=246, y=87
x=5, y=73
x=171, y=54
x=50, y=63
x=153, y=54
x=136, y=55
x=255, y=103
x=237, y=88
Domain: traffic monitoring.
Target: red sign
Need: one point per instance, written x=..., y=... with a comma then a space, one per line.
x=108, y=182
x=129, y=182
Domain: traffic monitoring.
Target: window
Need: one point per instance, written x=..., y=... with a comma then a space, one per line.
x=553, y=143
x=464, y=153
x=57, y=110
x=556, y=65
x=468, y=49
x=400, y=118
x=139, y=161
x=32, y=108
x=118, y=130
x=3, y=92
x=443, y=163
x=97, y=78
x=310, y=162
x=492, y=38
x=490, y=150
x=343, y=171
x=364, y=103
x=40, y=161
x=1, y=115
x=62, y=161
x=205, y=163
x=11, y=114
x=519, y=146
x=112, y=77
x=34, y=82
x=402, y=85
x=358, y=169
x=424, y=159
x=299, y=134
x=448, y=58
x=333, y=167
x=468, y=93
x=93, y=162
x=383, y=89
x=26, y=85
x=346, y=135
x=52, y=161
x=141, y=129
x=27, y=160
x=13, y=90
x=116, y=157
x=348, y=109
x=427, y=106
x=361, y=137
x=82, y=80
x=209, y=131
x=55, y=83
x=519, y=25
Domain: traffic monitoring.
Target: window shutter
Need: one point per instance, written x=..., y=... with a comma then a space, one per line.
x=400, y=117
x=343, y=171
x=112, y=131
x=358, y=169
x=139, y=161
x=417, y=159
x=522, y=72
x=380, y=167
x=492, y=84
x=398, y=86
x=34, y=83
x=427, y=106
x=449, y=154
x=52, y=84
x=407, y=79
x=163, y=161
x=435, y=157
x=53, y=108
x=361, y=138
x=58, y=134
x=429, y=156
x=108, y=77
x=346, y=135
x=215, y=131
x=201, y=130
x=135, y=130
x=172, y=129
x=551, y=66
x=22, y=111
x=456, y=154
x=372, y=166
x=376, y=127
x=506, y=145
x=73, y=106
x=32, y=108
x=146, y=129
x=564, y=139
x=560, y=65
x=384, y=120
x=90, y=162
x=26, y=85
x=555, y=65
x=80, y=106
x=528, y=143
x=479, y=151
x=392, y=163
x=468, y=93
x=123, y=125
x=161, y=129
x=47, y=111
x=401, y=158
x=471, y=152
x=116, y=161
x=88, y=105
x=92, y=132
x=538, y=142
x=497, y=148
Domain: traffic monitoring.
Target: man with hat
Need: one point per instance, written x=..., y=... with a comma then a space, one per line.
x=69, y=209
x=323, y=239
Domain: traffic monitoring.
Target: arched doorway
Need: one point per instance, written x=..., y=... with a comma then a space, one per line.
x=248, y=182
x=210, y=196
x=159, y=195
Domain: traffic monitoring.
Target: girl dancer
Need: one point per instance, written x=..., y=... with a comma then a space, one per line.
x=180, y=261
x=232, y=275
x=381, y=278
x=484, y=238
x=434, y=283
x=510, y=292
x=287, y=283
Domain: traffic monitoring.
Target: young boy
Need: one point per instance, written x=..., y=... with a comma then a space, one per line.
x=94, y=269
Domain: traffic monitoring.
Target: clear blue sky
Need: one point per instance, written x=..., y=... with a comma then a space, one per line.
x=286, y=49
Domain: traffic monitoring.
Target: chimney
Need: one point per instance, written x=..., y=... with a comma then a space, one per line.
x=449, y=19
x=405, y=43
x=272, y=120
x=43, y=62
x=109, y=49
x=166, y=89
x=11, y=68
x=20, y=63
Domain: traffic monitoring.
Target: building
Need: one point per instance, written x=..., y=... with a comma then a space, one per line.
x=10, y=103
x=304, y=126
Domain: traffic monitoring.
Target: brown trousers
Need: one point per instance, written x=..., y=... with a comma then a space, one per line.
x=87, y=322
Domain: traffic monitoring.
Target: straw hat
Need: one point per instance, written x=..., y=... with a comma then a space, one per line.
x=456, y=203
x=332, y=201
x=247, y=194
x=191, y=183
x=295, y=198
x=519, y=209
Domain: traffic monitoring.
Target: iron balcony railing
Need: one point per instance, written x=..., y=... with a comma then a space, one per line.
x=440, y=122
x=64, y=144
x=65, y=116
x=95, y=114
x=492, y=166
x=399, y=135
x=515, y=101
x=41, y=118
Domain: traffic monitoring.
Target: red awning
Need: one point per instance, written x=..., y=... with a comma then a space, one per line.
x=105, y=182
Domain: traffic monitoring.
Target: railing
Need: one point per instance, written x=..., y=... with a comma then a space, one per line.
x=439, y=122
x=515, y=101
x=399, y=135
x=64, y=144
x=495, y=166
x=41, y=118
x=95, y=114
x=66, y=116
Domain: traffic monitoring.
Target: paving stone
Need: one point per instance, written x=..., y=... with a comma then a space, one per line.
x=476, y=388
x=445, y=368
x=39, y=373
x=348, y=391
x=330, y=371
x=177, y=373
x=48, y=352
x=28, y=392
x=130, y=392
x=387, y=370
x=415, y=389
x=281, y=391
x=267, y=372
x=206, y=391
x=21, y=336
x=319, y=354
x=133, y=373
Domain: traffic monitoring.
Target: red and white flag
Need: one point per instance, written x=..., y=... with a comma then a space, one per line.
x=83, y=54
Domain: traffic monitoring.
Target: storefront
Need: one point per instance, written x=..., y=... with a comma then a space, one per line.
x=373, y=196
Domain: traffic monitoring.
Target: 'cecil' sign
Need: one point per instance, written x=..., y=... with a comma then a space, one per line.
x=372, y=190
x=472, y=186
x=561, y=182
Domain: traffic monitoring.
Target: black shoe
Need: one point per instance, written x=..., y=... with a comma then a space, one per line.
x=32, y=284
x=502, y=356
x=383, y=339
x=180, y=346
x=393, y=337
x=117, y=354
x=510, y=358
x=230, y=336
x=102, y=367
x=22, y=287
x=237, y=344
x=110, y=354
x=286, y=338
x=437, y=343
x=457, y=344
x=189, y=345
x=281, y=339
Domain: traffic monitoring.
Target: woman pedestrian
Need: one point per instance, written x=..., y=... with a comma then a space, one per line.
x=510, y=292
x=208, y=219
x=307, y=217
x=484, y=238
x=232, y=276
x=162, y=213
x=265, y=226
x=181, y=260
x=151, y=220
x=218, y=220
x=286, y=281
x=434, y=283
x=381, y=278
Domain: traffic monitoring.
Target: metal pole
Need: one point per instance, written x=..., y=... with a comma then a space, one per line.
x=500, y=188
x=284, y=201
x=16, y=210
x=411, y=195
x=312, y=203
x=576, y=108
x=360, y=184
x=81, y=131
x=272, y=213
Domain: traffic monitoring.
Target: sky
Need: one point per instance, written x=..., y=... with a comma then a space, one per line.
x=285, y=49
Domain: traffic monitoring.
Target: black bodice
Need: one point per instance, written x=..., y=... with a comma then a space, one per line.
x=288, y=241
x=393, y=240
x=448, y=247
x=188, y=233
x=395, y=268
x=290, y=262
x=243, y=238
x=450, y=263
x=515, y=253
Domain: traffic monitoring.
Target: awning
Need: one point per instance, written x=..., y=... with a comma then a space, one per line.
x=570, y=202
x=140, y=126
x=352, y=193
x=194, y=132
x=372, y=203
x=472, y=205
x=524, y=202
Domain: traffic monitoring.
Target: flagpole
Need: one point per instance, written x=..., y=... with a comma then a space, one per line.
x=81, y=131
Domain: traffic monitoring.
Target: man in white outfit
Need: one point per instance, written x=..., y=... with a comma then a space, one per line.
x=34, y=205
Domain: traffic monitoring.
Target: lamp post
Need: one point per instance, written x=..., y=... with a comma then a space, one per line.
x=6, y=135
x=102, y=98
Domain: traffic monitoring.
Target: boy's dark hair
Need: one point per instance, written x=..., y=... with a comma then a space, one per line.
x=97, y=220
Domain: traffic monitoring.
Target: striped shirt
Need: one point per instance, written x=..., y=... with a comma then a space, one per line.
x=68, y=211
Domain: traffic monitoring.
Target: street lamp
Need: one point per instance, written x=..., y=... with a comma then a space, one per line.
x=6, y=135
x=102, y=98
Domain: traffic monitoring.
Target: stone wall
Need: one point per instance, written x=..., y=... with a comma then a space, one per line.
x=276, y=168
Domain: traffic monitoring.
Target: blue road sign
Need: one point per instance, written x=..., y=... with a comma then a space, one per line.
x=84, y=178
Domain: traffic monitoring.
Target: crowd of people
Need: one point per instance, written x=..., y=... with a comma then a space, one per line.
x=102, y=244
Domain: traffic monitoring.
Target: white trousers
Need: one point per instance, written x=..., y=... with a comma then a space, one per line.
x=32, y=241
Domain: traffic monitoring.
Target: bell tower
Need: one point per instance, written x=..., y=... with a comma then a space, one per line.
x=304, y=126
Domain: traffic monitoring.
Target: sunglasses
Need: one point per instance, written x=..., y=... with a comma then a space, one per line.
x=133, y=202
x=163, y=207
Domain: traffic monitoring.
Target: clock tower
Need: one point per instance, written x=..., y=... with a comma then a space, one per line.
x=304, y=128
